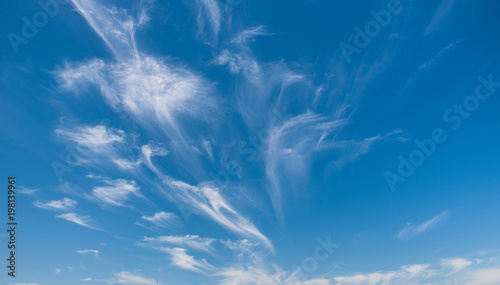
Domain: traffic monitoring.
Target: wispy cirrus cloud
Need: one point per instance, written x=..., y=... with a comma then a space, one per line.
x=77, y=219
x=455, y=264
x=63, y=204
x=149, y=89
x=126, y=277
x=209, y=14
x=258, y=274
x=163, y=219
x=115, y=192
x=392, y=277
x=153, y=92
x=445, y=49
x=181, y=259
x=244, y=249
x=93, y=252
x=95, y=138
x=446, y=271
x=192, y=241
x=208, y=200
x=486, y=276
x=291, y=148
x=412, y=230
x=115, y=27
x=439, y=16
x=239, y=59
x=96, y=144
x=27, y=191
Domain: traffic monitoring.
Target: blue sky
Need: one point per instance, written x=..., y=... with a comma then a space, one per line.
x=252, y=142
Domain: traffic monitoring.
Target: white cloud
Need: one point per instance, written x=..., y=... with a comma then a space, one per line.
x=64, y=204
x=75, y=218
x=26, y=191
x=191, y=241
x=57, y=270
x=116, y=192
x=240, y=63
x=95, y=138
x=209, y=200
x=439, y=16
x=125, y=164
x=163, y=219
x=415, y=269
x=487, y=276
x=155, y=93
x=209, y=12
x=207, y=146
x=88, y=251
x=429, y=62
x=95, y=145
x=114, y=26
x=126, y=277
x=249, y=275
x=240, y=60
x=148, y=89
x=182, y=260
x=244, y=249
x=447, y=271
x=292, y=146
x=249, y=34
x=289, y=149
x=412, y=230
x=86, y=279
x=455, y=264
x=401, y=276
x=150, y=150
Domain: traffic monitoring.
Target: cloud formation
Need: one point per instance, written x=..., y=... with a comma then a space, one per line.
x=77, y=219
x=63, y=204
x=163, y=219
x=181, y=259
x=115, y=192
x=192, y=241
x=88, y=251
x=412, y=230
